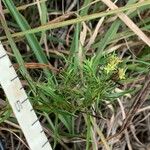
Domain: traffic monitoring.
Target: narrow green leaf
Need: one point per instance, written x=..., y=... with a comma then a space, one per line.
x=32, y=40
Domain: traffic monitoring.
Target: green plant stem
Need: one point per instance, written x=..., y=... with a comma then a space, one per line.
x=80, y=19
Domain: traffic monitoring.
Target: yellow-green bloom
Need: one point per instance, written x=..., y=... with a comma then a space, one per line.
x=112, y=64
x=121, y=73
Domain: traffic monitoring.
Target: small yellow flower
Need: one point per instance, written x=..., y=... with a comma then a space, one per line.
x=112, y=64
x=121, y=73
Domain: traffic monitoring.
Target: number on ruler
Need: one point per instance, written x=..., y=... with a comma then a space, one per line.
x=18, y=106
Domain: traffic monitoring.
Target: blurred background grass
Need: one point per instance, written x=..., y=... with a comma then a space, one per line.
x=81, y=66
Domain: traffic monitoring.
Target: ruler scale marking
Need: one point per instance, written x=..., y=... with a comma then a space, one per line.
x=20, y=104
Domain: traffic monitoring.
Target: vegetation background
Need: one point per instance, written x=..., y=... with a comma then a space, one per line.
x=85, y=67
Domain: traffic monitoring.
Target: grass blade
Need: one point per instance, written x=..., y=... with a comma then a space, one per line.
x=32, y=40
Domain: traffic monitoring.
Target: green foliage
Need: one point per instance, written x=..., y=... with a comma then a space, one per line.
x=78, y=89
x=32, y=40
x=86, y=83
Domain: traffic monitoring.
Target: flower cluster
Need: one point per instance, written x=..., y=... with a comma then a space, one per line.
x=112, y=65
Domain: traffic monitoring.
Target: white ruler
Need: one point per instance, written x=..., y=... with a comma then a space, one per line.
x=21, y=106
